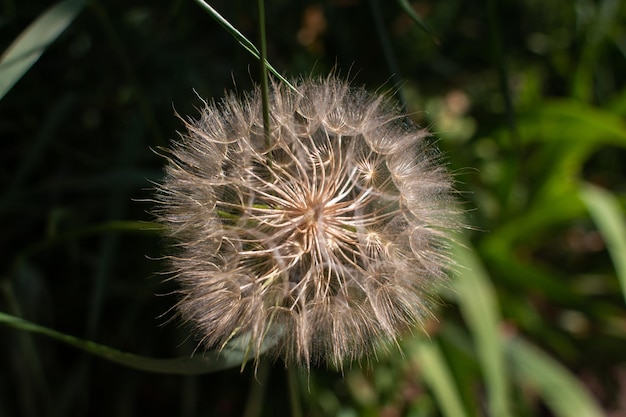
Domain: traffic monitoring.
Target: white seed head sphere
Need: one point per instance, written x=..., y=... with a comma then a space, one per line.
x=330, y=236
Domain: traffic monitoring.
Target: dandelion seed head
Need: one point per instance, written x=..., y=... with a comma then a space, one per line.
x=333, y=231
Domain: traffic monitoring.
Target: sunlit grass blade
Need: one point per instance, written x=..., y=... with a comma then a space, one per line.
x=608, y=216
x=437, y=375
x=233, y=355
x=477, y=300
x=243, y=41
x=33, y=41
x=562, y=392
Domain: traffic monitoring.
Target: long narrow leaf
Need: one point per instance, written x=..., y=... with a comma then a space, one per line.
x=33, y=41
x=210, y=361
x=408, y=9
x=438, y=377
x=563, y=393
x=243, y=41
x=478, y=304
x=609, y=217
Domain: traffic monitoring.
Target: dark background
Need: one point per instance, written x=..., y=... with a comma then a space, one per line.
x=527, y=98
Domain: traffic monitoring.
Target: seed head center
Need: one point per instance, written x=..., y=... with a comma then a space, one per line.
x=314, y=213
x=314, y=224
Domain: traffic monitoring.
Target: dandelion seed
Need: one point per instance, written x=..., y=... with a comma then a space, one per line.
x=334, y=232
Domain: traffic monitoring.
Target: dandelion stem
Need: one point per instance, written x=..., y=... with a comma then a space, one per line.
x=264, y=81
x=292, y=381
x=254, y=406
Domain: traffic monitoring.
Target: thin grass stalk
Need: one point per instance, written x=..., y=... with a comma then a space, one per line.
x=408, y=9
x=243, y=41
x=36, y=393
x=390, y=57
x=264, y=81
x=209, y=361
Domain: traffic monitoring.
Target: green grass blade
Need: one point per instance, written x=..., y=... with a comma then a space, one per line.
x=243, y=41
x=210, y=361
x=438, y=377
x=568, y=122
x=408, y=9
x=563, y=393
x=265, y=95
x=608, y=216
x=479, y=307
x=33, y=41
x=122, y=226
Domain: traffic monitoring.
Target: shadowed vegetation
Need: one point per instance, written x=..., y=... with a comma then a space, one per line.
x=527, y=100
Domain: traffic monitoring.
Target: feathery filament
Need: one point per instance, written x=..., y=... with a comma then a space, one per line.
x=334, y=233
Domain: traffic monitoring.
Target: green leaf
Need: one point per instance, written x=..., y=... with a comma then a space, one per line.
x=478, y=303
x=234, y=354
x=568, y=121
x=563, y=393
x=33, y=41
x=569, y=132
x=564, y=134
x=608, y=215
x=243, y=41
x=437, y=375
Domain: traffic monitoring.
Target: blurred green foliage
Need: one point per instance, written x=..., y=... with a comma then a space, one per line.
x=527, y=99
